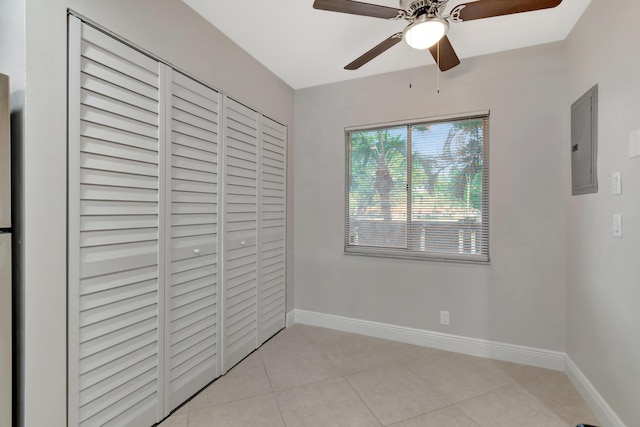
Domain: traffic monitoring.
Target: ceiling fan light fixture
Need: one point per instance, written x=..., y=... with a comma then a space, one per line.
x=425, y=32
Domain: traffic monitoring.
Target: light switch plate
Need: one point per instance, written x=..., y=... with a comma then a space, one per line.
x=634, y=143
x=617, y=225
x=616, y=183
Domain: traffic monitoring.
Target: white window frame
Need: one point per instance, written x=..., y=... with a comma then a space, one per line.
x=408, y=253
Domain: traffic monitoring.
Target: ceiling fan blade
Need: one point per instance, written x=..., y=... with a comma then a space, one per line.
x=382, y=47
x=448, y=57
x=357, y=8
x=487, y=8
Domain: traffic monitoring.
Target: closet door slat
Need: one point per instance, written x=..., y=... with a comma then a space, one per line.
x=192, y=260
x=114, y=246
x=240, y=320
x=272, y=228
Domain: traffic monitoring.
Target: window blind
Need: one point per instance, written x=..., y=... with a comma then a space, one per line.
x=419, y=189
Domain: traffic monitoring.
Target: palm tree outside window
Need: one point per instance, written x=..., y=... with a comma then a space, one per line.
x=419, y=189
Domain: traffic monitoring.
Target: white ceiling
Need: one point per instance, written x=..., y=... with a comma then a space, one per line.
x=308, y=47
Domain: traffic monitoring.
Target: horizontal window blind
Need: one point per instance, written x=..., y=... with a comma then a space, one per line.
x=419, y=189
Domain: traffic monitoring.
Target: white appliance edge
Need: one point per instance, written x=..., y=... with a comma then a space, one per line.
x=6, y=337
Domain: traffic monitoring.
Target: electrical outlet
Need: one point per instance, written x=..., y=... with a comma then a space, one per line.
x=444, y=318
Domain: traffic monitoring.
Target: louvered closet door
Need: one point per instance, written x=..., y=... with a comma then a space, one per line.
x=193, y=229
x=272, y=228
x=114, y=278
x=240, y=239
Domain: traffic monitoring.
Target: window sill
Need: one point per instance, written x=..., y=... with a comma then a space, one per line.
x=416, y=256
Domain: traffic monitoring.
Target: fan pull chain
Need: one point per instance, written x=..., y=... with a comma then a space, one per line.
x=438, y=67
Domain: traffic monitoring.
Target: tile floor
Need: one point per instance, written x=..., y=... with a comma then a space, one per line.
x=308, y=376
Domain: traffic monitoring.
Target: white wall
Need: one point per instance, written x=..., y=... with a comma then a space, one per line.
x=520, y=297
x=603, y=272
x=170, y=30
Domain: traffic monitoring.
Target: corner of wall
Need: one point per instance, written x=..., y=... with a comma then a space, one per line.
x=596, y=402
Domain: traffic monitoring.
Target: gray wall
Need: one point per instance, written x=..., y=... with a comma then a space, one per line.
x=167, y=28
x=520, y=297
x=12, y=63
x=12, y=28
x=603, y=272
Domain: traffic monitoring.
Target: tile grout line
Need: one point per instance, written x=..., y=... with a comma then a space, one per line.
x=273, y=393
x=475, y=397
x=362, y=400
x=429, y=412
x=542, y=404
x=483, y=394
x=315, y=346
x=309, y=383
x=419, y=378
x=464, y=414
x=427, y=382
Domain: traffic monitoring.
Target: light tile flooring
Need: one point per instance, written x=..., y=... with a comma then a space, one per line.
x=308, y=376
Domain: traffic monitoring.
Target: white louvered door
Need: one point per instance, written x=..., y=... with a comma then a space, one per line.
x=160, y=212
x=271, y=307
x=115, y=282
x=192, y=258
x=240, y=292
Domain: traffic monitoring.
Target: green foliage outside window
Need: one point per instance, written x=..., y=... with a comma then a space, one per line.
x=411, y=179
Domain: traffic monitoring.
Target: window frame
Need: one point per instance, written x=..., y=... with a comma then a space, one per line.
x=407, y=253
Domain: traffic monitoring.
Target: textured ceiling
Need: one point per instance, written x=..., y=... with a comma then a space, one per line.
x=307, y=47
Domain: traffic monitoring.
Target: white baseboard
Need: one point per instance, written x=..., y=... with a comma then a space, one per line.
x=472, y=346
x=531, y=356
x=596, y=402
x=291, y=318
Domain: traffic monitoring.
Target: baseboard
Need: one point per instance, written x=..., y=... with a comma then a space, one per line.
x=291, y=318
x=596, y=402
x=531, y=356
x=472, y=346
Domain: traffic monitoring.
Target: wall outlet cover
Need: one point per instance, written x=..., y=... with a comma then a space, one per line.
x=616, y=183
x=444, y=317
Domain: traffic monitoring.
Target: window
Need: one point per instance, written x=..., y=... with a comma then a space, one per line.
x=419, y=189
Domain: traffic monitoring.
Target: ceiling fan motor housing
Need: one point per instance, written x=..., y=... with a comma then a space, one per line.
x=417, y=8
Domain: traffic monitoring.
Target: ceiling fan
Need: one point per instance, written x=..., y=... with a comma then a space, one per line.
x=428, y=24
